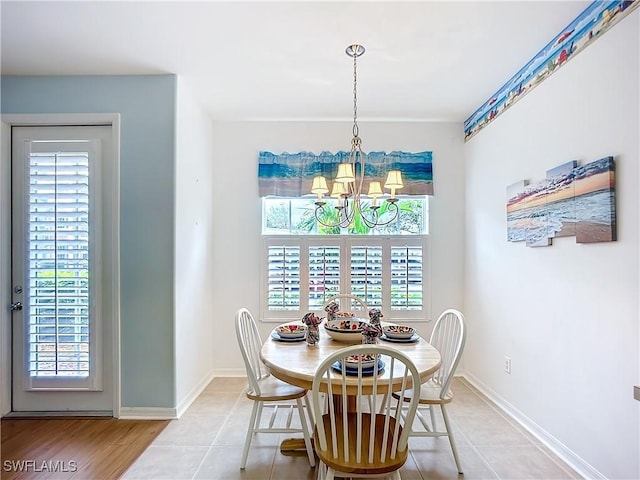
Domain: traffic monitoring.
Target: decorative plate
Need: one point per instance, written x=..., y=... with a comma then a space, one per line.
x=354, y=371
x=398, y=331
x=368, y=360
x=291, y=331
x=278, y=338
x=414, y=338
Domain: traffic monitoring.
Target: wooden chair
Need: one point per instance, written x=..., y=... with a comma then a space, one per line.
x=267, y=391
x=448, y=336
x=357, y=443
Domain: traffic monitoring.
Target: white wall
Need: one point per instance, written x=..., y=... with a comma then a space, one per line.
x=193, y=245
x=237, y=208
x=567, y=314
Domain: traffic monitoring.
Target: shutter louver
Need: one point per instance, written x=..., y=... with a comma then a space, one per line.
x=366, y=274
x=406, y=278
x=284, y=277
x=324, y=274
x=58, y=250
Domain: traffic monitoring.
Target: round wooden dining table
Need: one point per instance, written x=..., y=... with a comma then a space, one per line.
x=296, y=362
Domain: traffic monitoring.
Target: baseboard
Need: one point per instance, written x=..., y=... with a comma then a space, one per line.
x=147, y=413
x=557, y=447
x=230, y=372
x=61, y=414
x=190, y=398
x=154, y=413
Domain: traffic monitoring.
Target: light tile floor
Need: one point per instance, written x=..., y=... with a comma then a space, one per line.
x=206, y=443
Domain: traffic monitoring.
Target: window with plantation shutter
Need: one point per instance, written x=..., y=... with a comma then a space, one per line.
x=58, y=251
x=324, y=274
x=366, y=274
x=301, y=273
x=283, y=277
x=406, y=278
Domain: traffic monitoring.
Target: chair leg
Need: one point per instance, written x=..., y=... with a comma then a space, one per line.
x=305, y=432
x=434, y=427
x=451, y=440
x=307, y=403
x=252, y=425
x=331, y=474
x=322, y=472
x=383, y=404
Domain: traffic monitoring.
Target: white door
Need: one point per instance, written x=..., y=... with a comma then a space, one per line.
x=62, y=274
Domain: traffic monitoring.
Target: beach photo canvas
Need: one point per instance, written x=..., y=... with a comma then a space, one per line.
x=571, y=201
x=516, y=217
x=537, y=232
x=561, y=208
x=595, y=201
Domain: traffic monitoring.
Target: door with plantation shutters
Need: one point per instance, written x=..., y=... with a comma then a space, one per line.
x=61, y=274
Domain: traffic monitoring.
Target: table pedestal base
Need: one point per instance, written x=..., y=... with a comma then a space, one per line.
x=294, y=447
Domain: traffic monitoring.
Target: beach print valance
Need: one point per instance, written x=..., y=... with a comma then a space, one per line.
x=291, y=174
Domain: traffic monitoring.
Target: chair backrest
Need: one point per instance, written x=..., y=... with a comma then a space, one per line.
x=250, y=343
x=385, y=436
x=347, y=303
x=448, y=336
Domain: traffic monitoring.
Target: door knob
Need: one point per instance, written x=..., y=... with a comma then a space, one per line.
x=16, y=306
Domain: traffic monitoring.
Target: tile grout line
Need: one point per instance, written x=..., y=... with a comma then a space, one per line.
x=226, y=419
x=473, y=446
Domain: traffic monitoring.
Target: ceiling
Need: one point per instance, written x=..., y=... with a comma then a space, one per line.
x=424, y=60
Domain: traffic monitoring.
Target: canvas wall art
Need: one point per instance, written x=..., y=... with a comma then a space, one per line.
x=572, y=200
x=516, y=217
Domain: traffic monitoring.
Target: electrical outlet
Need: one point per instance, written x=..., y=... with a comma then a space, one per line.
x=507, y=365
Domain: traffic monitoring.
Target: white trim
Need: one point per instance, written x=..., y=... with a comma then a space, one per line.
x=147, y=413
x=195, y=392
x=584, y=469
x=6, y=122
x=230, y=372
x=5, y=280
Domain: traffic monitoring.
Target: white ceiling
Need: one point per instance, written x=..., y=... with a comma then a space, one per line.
x=424, y=60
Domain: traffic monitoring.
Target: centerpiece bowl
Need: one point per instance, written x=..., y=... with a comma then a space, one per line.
x=346, y=331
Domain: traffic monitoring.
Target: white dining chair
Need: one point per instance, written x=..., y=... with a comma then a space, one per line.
x=267, y=391
x=347, y=302
x=358, y=443
x=448, y=336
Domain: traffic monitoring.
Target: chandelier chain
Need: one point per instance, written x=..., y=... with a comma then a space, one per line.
x=355, y=98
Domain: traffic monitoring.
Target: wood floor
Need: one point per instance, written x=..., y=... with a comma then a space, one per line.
x=75, y=448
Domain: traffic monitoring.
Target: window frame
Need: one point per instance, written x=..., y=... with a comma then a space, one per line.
x=345, y=242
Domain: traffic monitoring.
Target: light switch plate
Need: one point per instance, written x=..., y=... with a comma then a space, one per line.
x=636, y=393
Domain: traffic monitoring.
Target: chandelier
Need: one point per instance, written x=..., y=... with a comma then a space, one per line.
x=348, y=184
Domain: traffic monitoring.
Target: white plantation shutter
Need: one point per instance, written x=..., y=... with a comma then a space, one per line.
x=303, y=272
x=324, y=274
x=406, y=278
x=366, y=274
x=58, y=249
x=283, y=277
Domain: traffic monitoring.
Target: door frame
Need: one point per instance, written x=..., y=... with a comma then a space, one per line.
x=76, y=119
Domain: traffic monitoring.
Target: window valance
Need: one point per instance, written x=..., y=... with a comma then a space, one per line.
x=291, y=174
